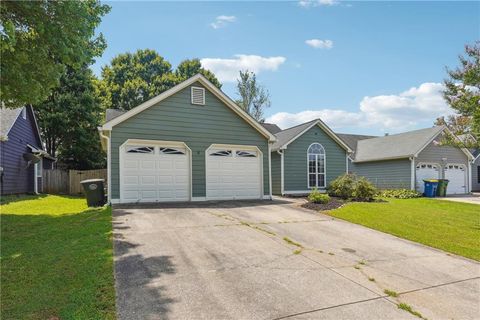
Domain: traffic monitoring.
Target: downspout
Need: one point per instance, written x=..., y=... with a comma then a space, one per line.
x=282, y=189
x=109, y=180
x=412, y=173
x=270, y=169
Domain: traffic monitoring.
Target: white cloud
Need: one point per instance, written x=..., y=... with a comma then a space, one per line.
x=317, y=3
x=226, y=70
x=389, y=113
x=319, y=44
x=222, y=21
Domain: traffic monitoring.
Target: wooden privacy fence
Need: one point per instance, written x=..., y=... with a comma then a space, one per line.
x=58, y=181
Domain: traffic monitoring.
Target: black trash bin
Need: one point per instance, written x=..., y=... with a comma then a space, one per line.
x=94, y=192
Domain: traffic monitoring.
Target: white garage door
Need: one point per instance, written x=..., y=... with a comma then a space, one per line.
x=154, y=174
x=426, y=171
x=233, y=173
x=457, y=176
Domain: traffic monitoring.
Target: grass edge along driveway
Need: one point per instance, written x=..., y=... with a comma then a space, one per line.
x=57, y=259
x=450, y=226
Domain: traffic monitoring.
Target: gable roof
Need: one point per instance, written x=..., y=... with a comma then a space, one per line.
x=397, y=146
x=209, y=86
x=7, y=119
x=287, y=136
x=272, y=127
x=352, y=139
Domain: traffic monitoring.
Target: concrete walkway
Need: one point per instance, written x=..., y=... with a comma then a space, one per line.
x=275, y=260
x=470, y=198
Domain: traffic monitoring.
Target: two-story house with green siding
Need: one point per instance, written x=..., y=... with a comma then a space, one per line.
x=190, y=143
x=306, y=156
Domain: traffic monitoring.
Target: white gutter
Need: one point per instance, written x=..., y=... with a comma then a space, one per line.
x=109, y=158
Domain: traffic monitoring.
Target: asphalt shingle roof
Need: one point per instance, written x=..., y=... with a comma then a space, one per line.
x=290, y=133
x=7, y=118
x=402, y=145
x=352, y=139
x=271, y=127
x=112, y=114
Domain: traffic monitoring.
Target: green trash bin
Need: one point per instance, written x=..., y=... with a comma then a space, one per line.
x=442, y=187
x=94, y=192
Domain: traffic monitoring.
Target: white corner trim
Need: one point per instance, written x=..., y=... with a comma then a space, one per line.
x=470, y=178
x=325, y=128
x=214, y=90
x=270, y=169
x=109, y=164
x=412, y=173
x=282, y=189
x=346, y=162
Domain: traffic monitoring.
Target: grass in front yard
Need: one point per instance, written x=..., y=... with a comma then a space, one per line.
x=446, y=225
x=56, y=259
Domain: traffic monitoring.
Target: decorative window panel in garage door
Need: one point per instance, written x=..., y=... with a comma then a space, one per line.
x=154, y=174
x=233, y=173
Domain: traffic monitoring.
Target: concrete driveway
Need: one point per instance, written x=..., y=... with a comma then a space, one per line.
x=275, y=260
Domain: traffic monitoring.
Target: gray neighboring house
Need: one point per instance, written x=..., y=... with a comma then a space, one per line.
x=190, y=143
x=468, y=138
x=307, y=156
x=404, y=160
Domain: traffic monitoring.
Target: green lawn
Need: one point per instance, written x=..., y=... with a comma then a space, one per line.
x=56, y=259
x=446, y=225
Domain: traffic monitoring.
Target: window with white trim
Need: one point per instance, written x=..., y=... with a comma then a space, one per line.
x=246, y=154
x=39, y=168
x=316, y=166
x=140, y=149
x=221, y=153
x=166, y=150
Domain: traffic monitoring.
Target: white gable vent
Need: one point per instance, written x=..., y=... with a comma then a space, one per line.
x=198, y=96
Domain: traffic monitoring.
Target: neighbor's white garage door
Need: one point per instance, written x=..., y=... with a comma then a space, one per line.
x=426, y=171
x=233, y=173
x=154, y=174
x=457, y=176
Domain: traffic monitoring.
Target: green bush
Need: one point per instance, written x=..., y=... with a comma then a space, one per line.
x=349, y=186
x=400, y=194
x=364, y=190
x=342, y=186
x=317, y=197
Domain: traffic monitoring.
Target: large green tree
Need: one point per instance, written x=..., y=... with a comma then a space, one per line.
x=38, y=39
x=254, y=98
x=69, y=118
x=462, y=88
x=133, y=78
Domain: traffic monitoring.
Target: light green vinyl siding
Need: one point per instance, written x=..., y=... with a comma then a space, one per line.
x=295, y=159
x=276, y=174
x=388, y=174
x=176, y=119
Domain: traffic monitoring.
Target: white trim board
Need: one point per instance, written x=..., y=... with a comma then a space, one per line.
x=208, y=85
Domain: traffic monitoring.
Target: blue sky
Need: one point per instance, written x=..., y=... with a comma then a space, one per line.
x=364, y=67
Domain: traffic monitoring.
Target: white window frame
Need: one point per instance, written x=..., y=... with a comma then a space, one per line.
x=317, y=173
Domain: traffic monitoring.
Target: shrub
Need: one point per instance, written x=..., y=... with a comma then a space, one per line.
x=400, y=194
x=364, y=190
x=349, y=186
x=316, y=197
x=342, y=186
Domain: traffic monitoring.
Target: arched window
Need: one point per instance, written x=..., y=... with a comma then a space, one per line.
x=316, y=166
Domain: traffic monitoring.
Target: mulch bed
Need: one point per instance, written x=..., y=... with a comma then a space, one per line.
x=333, y=204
